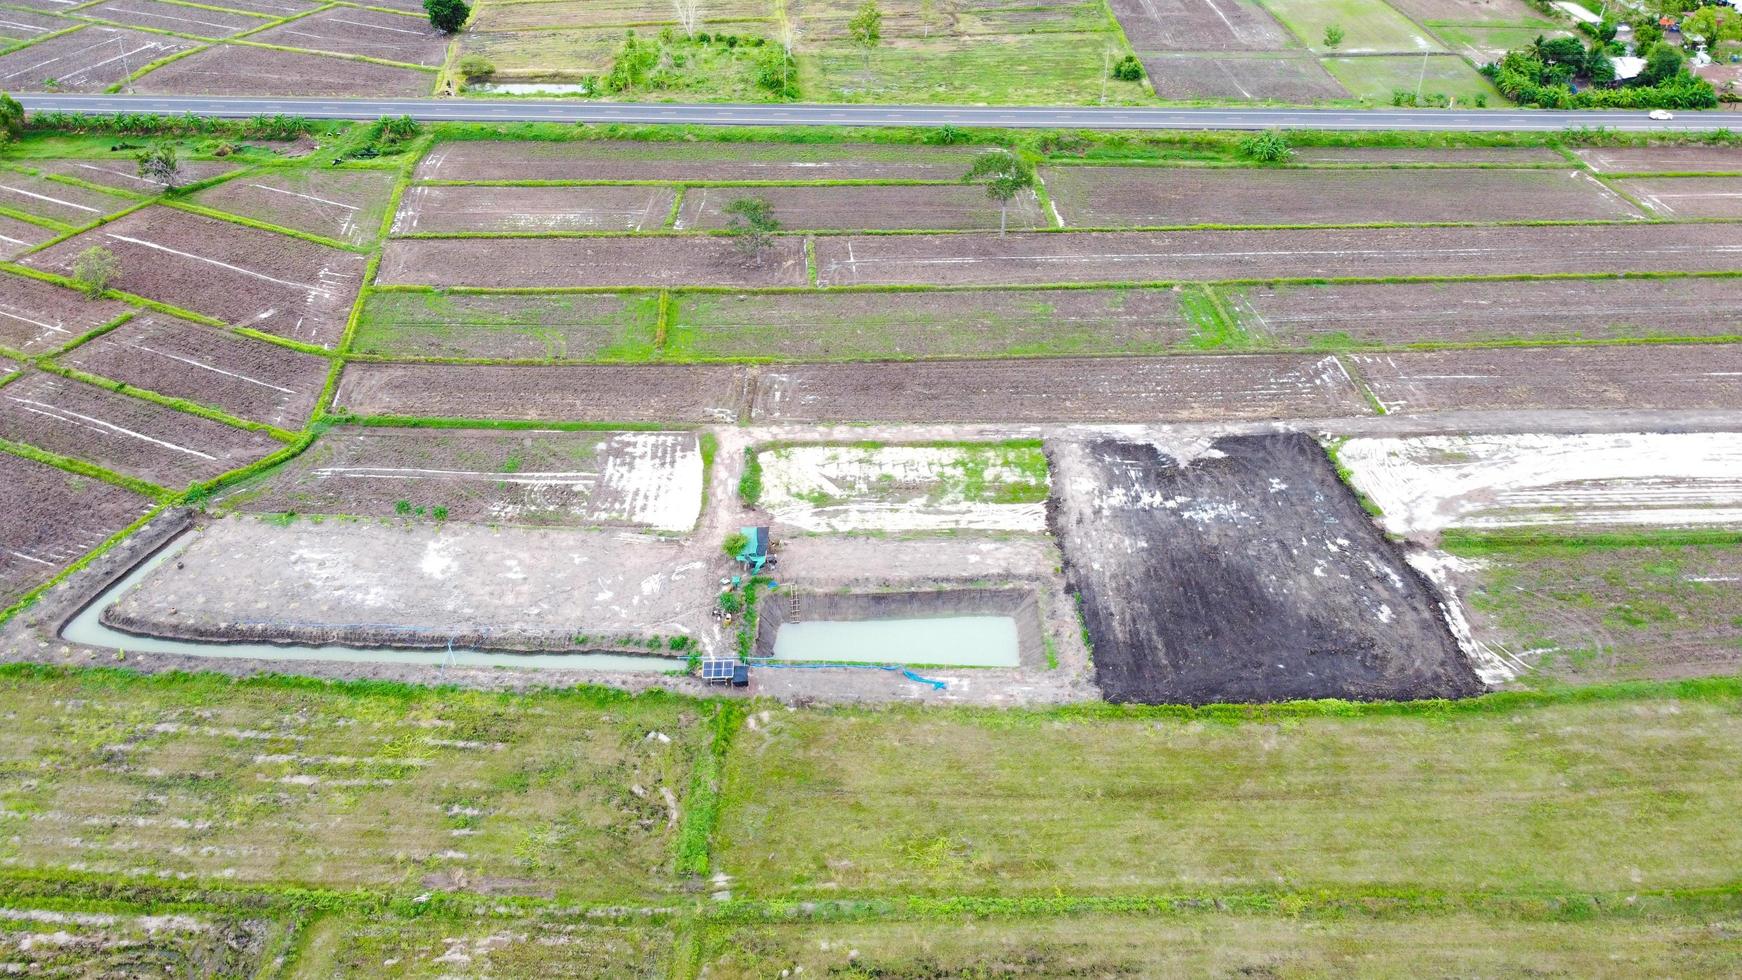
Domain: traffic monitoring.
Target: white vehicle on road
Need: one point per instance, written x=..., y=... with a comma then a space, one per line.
x=1661, y=115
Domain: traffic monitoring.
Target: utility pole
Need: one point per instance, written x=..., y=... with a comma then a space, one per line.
x=1422, y=78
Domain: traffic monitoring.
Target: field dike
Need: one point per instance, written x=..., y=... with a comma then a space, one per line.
x=1020, y=604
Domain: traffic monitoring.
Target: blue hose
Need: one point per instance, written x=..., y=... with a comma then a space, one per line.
x=910, y=675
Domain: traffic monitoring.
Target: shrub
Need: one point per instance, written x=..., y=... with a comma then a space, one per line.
x=752, y=224
x=158, y=164
x=750, y=484
x=1128, y=69
x=1269, y=146
x=734, y=543
x=777, y=72
x=635, y=61
x=11, y=118
x=447, y=16
x=1333, y=36
x=94, y=269
x=947, y=135
x=475, y=67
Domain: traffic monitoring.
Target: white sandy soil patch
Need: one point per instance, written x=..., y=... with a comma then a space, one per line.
x=897, y=488
x=1429, y=483
x=427, y=578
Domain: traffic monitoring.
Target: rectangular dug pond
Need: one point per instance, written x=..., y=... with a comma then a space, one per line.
x=957, y=628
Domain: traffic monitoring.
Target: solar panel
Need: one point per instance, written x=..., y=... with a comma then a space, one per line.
x=718, y=668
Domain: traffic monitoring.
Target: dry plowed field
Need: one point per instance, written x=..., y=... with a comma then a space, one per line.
x=1199, y=25
x=18, y=26
x=85, y=61
x=609, y=13
x=240, y=275
x=1161, y=389
x=157, y=15
x=678, y=161
x=595, y=393
x=275, y=8
x=56, y=201
x=1387, y=156
x=371, y=33
x=130, y=436
x=49, y=517
x=442, y=209
x=1664, y=159
x=1111, y=197
x=1562, y=309
x=830, y=325
x=37, y=316
x=122, y=173
x=638, y=261
x=1665, y=377
x=343, y=205
x=8, y=366
x=249, y=379
x=16, y=236
x=1272, y=584
x=1328, y=253
x=235, y=69
x=543, y=479
x=1689, y=197
x=582, y=326
x=1234, y=77
x=872, y=208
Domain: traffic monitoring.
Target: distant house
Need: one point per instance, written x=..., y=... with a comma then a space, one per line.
x=1627, y=68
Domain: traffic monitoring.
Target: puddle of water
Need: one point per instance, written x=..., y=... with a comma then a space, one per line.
x=958, y=641
x=528, y=88
x=87, y=628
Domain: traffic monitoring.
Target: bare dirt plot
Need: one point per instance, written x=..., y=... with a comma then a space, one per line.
x=49, y=517
x=1380, y=156
x=371, y=33
x=846, y=208
x=436, y=210
x=615, y=393
x=1081, y=390
x=609, y=13
x=134, y=437
x=343, y=205
x=1663, y=159
x=629, y=261
x=122, y=172
x=1427, y=483
x=241, y=275
x=501, y=587
x=848, y=326
x=1328, y=253
x=1407, y=313
x=18, y=26
x=581, y=326
x=1111, y=197
x=1291, y=78
x=239, y=69
x=155, y=14
x=1662, y=377
x=275, y=8
x=1199, y=25
x=37, y=316
x=1689, y=197
x=56, y=201
x=1588, y=615
x=1272, y=585
x=16, y=236
x=89, y=60
x=249, y=379
x=611, y=160
x=572, y=479
x=888, y=488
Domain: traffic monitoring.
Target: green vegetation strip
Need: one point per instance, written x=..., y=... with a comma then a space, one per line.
x=167, y=401
x=83, y=468
x=1473, y=543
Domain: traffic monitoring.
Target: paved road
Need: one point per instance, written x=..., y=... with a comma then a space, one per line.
x=574, y=110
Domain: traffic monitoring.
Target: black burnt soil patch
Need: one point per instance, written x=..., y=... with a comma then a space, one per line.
x=1249, y=573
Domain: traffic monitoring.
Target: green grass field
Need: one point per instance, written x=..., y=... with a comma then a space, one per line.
x=1368, y=25
x=1376, y=78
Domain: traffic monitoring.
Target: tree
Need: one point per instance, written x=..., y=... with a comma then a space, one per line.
x=689, y=15
x=1333, y=36
x=475, y=67
x=734, y=543
x=447, y=16
x=1128, y=69
x=159, y=165
x=1662, y=64
x=1005, y=174
x=866, y=29
x=752, y=224
x=11, y=118
x=1266, y=147
x=1713, y=25
x=1646, y=34
x=94, y=269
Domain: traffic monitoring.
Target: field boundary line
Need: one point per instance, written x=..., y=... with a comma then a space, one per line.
x=38, y=39
x=812, y=277
x=1351, y=371
x=48, y=224
x=281, y=21
x=219, y=10
x=1666, y=174
x=152, y=66
x=73, y=464
x=670, y=223
x=77, y=13
x=1479, y=541
x=199, y=493
x=182, y=405
x=1163, y=163
x=258, y=225
x=80, y=230
x=29, y=598
x=509, y=425
x=661, y=323
x=88, y=336
x=342, y=354
x=687, y=182
x=71, y=181
x=244, y=42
